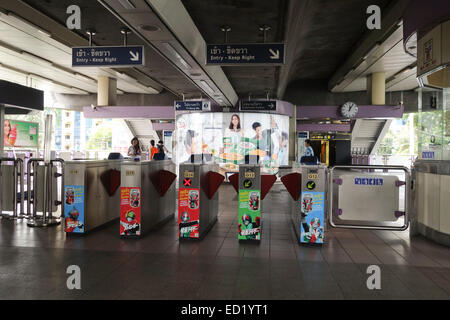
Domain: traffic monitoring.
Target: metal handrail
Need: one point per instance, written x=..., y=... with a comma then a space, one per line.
x=370, y=168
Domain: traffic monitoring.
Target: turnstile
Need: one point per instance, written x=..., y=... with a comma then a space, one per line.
x=198, y=201
x=12, y=188
x=252, y=188
x=147, y=196
x=308, y=190
x=90, y=194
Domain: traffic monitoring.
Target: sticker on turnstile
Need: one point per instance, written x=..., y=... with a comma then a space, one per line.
x=189, y=174
x=74, y=209
x=130, y=211
x=313, y=217
x=188, y=213
x=249, y=225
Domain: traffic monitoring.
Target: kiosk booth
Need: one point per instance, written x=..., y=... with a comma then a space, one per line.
x=147, y=196
x=252, y=188
x=198, y=200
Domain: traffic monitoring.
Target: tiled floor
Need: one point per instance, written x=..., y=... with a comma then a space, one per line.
x=33, y=262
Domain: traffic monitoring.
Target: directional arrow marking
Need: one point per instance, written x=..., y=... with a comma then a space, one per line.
x=134, y=56
x=274, y=55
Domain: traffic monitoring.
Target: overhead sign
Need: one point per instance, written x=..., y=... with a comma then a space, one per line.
x=247, y=53
x=255, y=105
x=116, y=56
x=192, y=105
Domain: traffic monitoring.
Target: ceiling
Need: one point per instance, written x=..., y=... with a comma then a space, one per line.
x=244, y=17
x=320, y=35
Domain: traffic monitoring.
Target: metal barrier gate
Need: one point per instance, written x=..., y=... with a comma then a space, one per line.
x=42, y=192
x=12, y=177
x=369, y=197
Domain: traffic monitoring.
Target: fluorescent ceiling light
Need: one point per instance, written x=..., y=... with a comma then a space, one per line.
x=36, y=58
x=129, y=78
x=178, y=57
x=29, y=24
x=39, y=78
x=79, y=90
x=85, y=78
x=127, y=4
x=206, y=86
x=349, y=72
x=371, y=51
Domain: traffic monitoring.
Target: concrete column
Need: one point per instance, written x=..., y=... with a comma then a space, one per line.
x=107, y=91
x=376, y=88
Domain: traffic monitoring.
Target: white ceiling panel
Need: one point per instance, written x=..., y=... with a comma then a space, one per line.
x=16, y=37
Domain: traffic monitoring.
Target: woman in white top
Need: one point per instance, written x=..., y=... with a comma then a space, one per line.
x=134, y=150
x=234, y=130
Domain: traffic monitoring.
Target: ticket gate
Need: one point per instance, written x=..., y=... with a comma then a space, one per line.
x=147, y=196
x=198, y=200
x=90, y=194
x=42, y=194
x=369, y=197
x=12, y=188
x=308, y=190
x=252, y=188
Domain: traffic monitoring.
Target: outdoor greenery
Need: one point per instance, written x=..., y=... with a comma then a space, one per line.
x=101, y=139
x=397, y=140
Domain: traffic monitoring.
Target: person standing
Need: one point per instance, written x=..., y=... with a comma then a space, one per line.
x=309, y=152
x=135, y=149
x=161, y=148
x=153, y=149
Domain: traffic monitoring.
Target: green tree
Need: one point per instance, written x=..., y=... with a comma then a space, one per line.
x=100, y=140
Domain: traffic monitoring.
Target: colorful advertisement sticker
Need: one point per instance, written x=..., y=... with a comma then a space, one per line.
x=188, y=213
x=74, y=209
x=130, y=211
x=20, y=134
x=249, y=227
x=313, y=217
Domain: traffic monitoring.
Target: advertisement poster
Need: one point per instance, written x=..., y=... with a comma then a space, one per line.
x=313, y=217
x=167, y=140
x=230, y=137
x=130, y=211
x=20, y=134
x=249, y=227
x=74, y=209
x=188, y=213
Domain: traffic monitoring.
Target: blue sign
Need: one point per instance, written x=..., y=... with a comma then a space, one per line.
x=428, y=155
x=167, y=133
x=242, y=54
x=303, y=135
x=193, y=105
x=263, y=105
x=117, y=56
x=369, y=181
x=74, y=209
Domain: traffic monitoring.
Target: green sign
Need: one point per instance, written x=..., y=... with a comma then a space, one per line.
x=249, y=215
x=310, y=185
x=20, y=134
x=248, y=184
